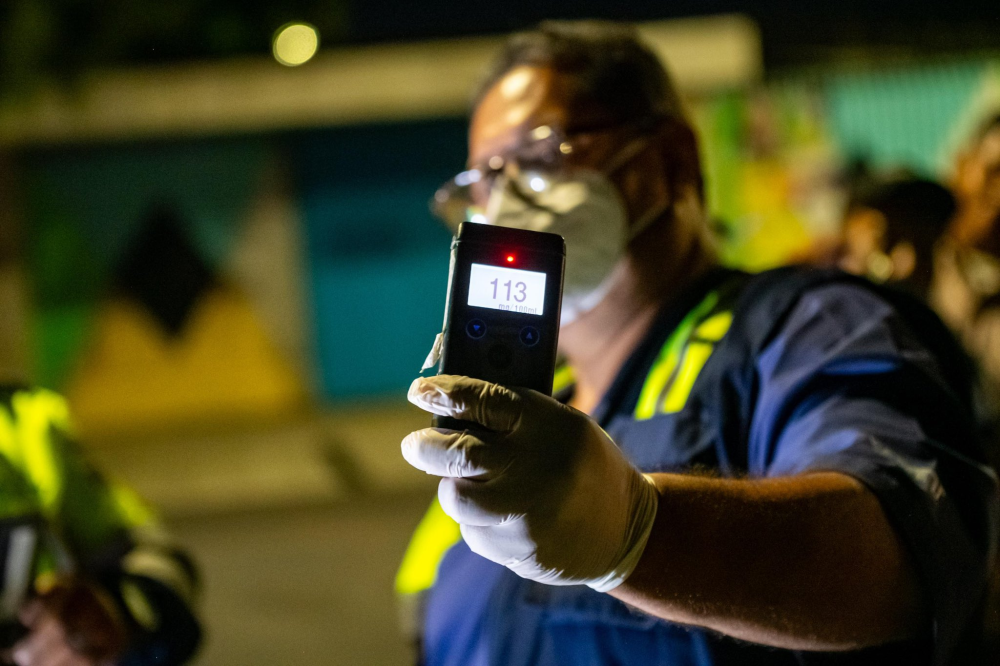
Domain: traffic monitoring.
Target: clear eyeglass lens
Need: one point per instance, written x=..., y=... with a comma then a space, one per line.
x=468, y=177
x=457, y=200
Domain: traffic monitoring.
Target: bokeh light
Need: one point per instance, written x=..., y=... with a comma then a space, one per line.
x=295, y=44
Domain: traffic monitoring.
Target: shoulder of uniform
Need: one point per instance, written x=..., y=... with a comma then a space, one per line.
x=778, y=290
x=767, y=298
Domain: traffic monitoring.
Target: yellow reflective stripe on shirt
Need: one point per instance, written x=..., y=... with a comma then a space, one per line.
x=682, y=358
x=8, y=440
x=696, y=355
x=665, y=367
x=715, y=327
x=131, y=508
x=35, y=414
x=563, y=379
x=435, y=534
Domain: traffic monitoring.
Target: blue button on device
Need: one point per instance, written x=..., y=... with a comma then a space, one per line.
x=475, y=328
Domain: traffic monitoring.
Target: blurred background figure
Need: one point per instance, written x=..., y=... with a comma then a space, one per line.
x=967, y=286
x=89, y=575
x=891, y=228
x=966, y=293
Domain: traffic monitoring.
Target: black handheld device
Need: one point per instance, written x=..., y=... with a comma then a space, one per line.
x=502, y=312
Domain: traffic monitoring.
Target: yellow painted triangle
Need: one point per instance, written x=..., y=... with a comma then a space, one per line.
x=222, y=367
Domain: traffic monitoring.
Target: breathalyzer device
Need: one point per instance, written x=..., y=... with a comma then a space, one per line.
x=502, y=311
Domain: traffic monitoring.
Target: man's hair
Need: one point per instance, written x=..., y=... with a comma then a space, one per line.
x=611, y=66
x=613, y=72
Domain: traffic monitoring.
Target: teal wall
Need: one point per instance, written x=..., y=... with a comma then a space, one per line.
x=378, y=260
x=906, y=117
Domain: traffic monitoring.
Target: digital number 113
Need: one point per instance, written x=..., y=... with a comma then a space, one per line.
x=519, y=295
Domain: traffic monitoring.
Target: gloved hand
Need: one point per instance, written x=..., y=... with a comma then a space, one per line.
x=541, y=489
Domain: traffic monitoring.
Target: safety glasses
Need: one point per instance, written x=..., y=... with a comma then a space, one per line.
x=544, y=156
x=529, y=165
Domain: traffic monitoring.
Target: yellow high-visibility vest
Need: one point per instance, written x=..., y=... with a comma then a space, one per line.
x=43, y=474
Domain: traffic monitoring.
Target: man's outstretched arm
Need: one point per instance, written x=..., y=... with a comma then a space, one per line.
x=806, y=562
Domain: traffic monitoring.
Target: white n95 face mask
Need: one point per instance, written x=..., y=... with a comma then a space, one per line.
x=587, y=211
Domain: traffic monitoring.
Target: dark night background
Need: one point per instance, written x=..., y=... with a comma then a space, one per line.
x=62, y=36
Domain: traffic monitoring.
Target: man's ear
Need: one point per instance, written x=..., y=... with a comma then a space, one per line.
x=679, y=145
x=646, y=182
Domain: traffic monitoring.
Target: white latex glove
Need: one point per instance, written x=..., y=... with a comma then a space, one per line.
x=541, y=489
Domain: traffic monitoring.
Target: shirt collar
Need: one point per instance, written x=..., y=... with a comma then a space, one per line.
x=623, y=394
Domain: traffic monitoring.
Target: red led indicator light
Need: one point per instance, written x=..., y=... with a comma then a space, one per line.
x=510, y=258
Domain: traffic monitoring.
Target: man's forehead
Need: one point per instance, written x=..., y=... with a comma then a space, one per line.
x=524, y=98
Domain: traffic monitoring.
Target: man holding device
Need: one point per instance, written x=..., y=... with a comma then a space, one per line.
x=785, y=459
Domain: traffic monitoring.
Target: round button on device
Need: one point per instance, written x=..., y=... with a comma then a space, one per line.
x=529, y=336
x=475, y=328
x=500, y=356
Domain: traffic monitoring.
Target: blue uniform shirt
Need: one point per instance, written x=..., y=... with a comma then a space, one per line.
x=824, y=376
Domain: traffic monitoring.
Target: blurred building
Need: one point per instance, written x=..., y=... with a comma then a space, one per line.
x=238, y=247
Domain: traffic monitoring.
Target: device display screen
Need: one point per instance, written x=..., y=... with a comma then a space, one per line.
x=507, y=289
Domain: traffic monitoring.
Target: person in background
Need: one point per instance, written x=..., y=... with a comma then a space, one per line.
x=966, y=289
x=787, y=459
x=891, y=228
x=89, y=575
x=966, y=293
x=911, y=234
